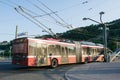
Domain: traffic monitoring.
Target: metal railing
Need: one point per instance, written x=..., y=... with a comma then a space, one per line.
x=115, y=56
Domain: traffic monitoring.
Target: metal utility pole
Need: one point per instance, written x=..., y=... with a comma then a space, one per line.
x=104, y=34
x=105, y=37
x=16, y=32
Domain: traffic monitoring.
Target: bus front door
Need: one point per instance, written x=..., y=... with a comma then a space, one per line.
x=41, y=56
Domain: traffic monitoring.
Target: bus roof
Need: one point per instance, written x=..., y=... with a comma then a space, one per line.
x=64, y=42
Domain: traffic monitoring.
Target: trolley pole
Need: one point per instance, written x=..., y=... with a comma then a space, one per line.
x=104, y=34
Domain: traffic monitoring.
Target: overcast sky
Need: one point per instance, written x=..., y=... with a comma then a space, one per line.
x=69, y=12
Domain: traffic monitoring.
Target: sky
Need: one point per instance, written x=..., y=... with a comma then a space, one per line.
x=53, y=14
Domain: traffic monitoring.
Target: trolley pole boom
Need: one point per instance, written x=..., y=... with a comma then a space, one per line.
x=27, y=15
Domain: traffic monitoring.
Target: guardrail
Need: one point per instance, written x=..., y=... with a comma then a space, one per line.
x=115, y=56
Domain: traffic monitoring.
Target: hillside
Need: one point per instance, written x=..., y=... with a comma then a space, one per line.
x=94, y=33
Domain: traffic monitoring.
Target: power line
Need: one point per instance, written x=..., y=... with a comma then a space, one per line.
x=6, y=4
x=75, y=5
x=21, y=10
x=44, y=11
x=61, y=24
x=52, y=11
x=32, y=20
x=12, y=2
x=67, y=25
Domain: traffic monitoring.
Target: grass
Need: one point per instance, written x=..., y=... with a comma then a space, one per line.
x=1, y=58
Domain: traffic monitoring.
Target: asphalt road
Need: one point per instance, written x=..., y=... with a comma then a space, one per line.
x=90, y=71
x=13, y=72
x=95, y=71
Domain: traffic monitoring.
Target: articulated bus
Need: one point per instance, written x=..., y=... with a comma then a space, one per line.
x=50, y=52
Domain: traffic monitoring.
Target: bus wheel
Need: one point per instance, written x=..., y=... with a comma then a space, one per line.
x=54, y=63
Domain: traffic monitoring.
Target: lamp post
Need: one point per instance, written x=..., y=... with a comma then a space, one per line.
x=104, y=34
x=105, y=37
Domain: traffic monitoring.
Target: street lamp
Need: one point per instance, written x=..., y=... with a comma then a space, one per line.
x=104, y=34
x=91, y=20
x=105, y=37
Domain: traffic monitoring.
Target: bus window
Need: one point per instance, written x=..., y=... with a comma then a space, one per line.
x=58, y=49
x=66, y=50
x=84, y=51
x=92, y=51
x=38, y=48
x=19, y=48
x=71, y=50
x=63, y=53
x=32, y=48
x=44, y=49
x=52, y=49
x=95, y=52
x=88, y=51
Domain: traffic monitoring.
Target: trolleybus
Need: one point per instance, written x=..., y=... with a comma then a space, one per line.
x=51, y=52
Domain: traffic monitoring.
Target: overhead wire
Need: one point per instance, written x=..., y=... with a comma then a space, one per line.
x=75, y=5
x=42, y=10
x=52, y=11
x=30, y=19
x=41, y=17
x=49, y=14
x=19, y=5
x=28, y=10
x=35, y=21
x=46, y=13
x=6, y=4
x=48, y=30
x=12, y=2
x=55, y=15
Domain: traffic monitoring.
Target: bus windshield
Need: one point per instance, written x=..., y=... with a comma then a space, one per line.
x=19, y=46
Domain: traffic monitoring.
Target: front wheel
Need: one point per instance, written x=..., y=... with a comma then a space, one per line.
x=54, y=63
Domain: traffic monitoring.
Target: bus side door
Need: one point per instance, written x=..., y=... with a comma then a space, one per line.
x=64, y=55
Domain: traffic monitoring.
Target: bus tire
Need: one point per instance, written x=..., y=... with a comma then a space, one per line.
x=54, y=63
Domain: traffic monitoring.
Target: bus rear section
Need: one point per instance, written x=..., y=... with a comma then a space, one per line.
x=92, y=53
x=20, y=52
x=28, y=52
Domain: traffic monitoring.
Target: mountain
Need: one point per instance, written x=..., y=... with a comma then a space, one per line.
x=94, y=33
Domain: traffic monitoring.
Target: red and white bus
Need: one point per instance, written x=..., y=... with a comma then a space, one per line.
x=41, y=52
